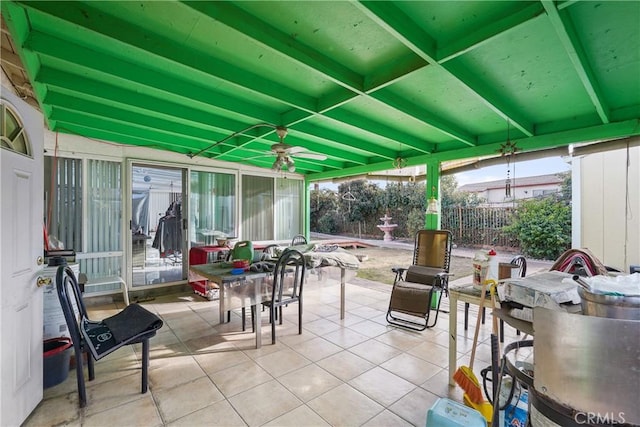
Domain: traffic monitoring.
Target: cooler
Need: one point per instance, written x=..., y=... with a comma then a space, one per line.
x=204, y=255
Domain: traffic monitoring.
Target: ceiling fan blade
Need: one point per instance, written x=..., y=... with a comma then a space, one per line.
x=259, y=156
x=312, y=156
x=294, y=149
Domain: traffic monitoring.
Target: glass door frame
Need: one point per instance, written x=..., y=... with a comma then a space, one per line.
x=128, y=181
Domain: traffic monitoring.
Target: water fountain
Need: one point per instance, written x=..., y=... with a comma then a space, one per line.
x=386, y=227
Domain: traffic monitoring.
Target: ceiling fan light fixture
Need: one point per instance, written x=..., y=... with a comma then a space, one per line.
x=290, y=166
x=278, y=164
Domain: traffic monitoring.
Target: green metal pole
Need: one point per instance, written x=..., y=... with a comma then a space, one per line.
x=306, y=226
x=432, y=221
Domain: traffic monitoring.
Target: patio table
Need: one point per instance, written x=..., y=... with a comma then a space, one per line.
x=236, y=290
x=250, y=288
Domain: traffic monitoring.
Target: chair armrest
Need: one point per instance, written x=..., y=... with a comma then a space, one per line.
x=443, y=281
x=400, y=273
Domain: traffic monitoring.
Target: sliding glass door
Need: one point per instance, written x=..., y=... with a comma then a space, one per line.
x=158, y=244
x=288, y=208
x=271, y=208
x=257, y=208
x=83, y=212
x=212, y=206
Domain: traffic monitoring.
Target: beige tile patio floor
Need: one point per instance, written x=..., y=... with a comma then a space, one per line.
x=358, y=371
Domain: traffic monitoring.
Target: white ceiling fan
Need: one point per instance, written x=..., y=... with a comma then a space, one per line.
x=285, y=153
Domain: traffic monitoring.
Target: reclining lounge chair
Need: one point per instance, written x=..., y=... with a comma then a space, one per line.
x=417, y=290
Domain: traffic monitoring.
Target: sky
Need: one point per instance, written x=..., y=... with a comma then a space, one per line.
x=518, y=169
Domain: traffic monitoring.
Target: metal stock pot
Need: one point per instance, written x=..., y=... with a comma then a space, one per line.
x=612, y=306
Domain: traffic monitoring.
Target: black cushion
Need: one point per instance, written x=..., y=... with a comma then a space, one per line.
x=133, y=323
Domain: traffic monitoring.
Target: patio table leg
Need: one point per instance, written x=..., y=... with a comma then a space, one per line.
x=453, y=334
x=342, y=291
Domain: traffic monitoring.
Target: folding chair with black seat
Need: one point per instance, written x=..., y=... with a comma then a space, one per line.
x=417, y=290
x=134, y=324
x=286, y=288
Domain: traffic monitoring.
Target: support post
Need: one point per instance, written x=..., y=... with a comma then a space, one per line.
x=433, y=221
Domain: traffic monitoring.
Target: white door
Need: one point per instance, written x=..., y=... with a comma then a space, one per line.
x=21, y=250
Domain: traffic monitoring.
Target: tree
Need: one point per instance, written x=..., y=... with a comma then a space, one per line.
x=323, y=211
x=450, y=196
x=405, y=202
x=565, y=188
x=359, y=203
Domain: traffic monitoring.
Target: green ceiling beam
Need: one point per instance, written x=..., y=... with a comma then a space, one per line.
x=605, y=132
x=98, y=122
x=282, y=43
x=330, y=136
x=491, y=97
x=380, y=130
x=161, y=85
x=561, y=22
x=126, y=100
x=402, y=27
x=334, y=99
x=274, y=39
x=393, y=71
x=137, y=38
x=559, y=139
x=564, y=4
x=152, y=104
x=416, y=111
x=358, y=171
x=393, y=20
x=130, y=117
x=105, y=135
x=486, y=33
x=122, y=33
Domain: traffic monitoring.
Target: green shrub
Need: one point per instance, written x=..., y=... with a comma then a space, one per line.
x=415, y=221
x=328, y=223
x=543, y=227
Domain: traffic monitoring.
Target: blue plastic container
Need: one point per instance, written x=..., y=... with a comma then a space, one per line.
x=448, y=413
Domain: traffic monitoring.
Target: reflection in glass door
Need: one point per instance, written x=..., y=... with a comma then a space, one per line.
x=157, y=241
x=213, y=208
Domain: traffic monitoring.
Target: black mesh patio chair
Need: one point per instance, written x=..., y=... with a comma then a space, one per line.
x=417, y=290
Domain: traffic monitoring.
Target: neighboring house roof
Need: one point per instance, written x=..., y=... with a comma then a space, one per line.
x=525, y=181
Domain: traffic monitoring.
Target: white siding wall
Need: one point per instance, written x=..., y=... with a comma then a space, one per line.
x=609, y=206
x=497, y=195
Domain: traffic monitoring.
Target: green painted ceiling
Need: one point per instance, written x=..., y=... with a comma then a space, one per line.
x=360, y=82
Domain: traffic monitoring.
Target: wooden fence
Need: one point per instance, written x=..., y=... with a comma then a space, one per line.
x=479, y=227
